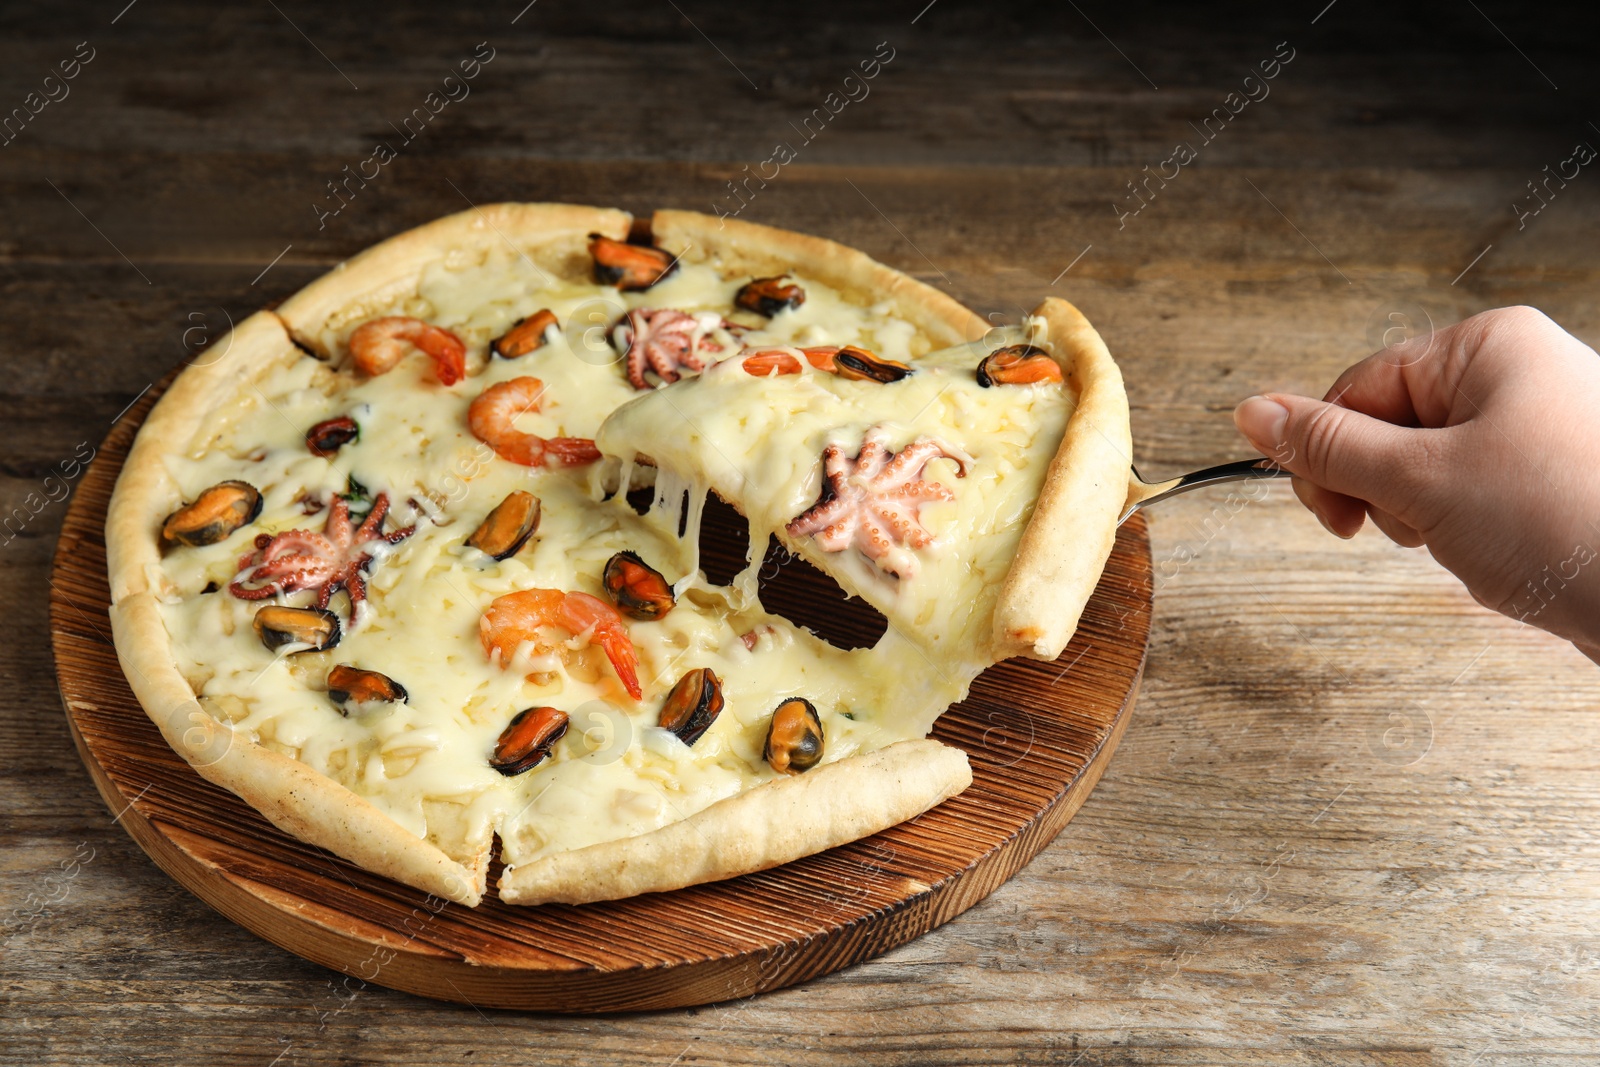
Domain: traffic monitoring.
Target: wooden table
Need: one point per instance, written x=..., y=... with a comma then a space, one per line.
x=1354, y=820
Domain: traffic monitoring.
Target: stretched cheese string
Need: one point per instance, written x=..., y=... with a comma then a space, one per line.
x=746, y=583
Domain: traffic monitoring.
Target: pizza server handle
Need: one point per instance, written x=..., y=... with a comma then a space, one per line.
x=1142, y=494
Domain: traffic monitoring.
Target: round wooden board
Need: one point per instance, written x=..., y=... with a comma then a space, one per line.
x=1039, y=736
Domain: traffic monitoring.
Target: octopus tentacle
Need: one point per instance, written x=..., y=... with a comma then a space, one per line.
x=662, y=360
x=337, y=529
x=873, y=459
x=835, y=464
x=374, y=521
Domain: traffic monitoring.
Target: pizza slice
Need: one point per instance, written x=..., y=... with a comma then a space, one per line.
x=969, y=494
x=372, y=571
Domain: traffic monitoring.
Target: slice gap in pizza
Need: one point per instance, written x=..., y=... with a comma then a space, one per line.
x=371, y=571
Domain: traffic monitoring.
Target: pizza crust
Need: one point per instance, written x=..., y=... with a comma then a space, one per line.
x=1074, y=525
x=771, y=824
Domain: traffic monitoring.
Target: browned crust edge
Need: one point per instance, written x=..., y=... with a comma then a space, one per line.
x=774, y=823
x=1074, y=524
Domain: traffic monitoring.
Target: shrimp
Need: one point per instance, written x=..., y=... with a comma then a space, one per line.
x=378, y=345
x=518, y=617
x=786, y=360
x=492, y=419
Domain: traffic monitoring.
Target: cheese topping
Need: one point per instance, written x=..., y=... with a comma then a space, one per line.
x=615, y=773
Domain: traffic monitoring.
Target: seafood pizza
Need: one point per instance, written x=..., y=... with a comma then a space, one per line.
x=411, y=562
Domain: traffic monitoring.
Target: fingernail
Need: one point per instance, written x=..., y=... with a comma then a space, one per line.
x=1262, y=421
x=1326, y=525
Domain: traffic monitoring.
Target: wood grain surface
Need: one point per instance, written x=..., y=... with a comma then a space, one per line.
x=1353, y=820
x=1038, y=735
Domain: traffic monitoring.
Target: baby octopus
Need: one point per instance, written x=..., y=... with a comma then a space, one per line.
x=874, y=500
x=664, y=339
x=325, y=562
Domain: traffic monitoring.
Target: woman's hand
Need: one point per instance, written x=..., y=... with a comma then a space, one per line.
x=1481, y=442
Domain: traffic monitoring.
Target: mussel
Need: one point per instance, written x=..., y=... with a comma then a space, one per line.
x=860, y=365
x=330, y=435
x=794, y=737
x=1018, y=365
x=508, y=527
x=526, y=740
x=313, y=627
x=693, y=705
x=354, y=685
x=629, y=267
x=525, y=336
x=768, y=296
x=636, y=588
x=215, y=513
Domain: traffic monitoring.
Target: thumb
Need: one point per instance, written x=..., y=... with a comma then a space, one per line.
x=1337, y=449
